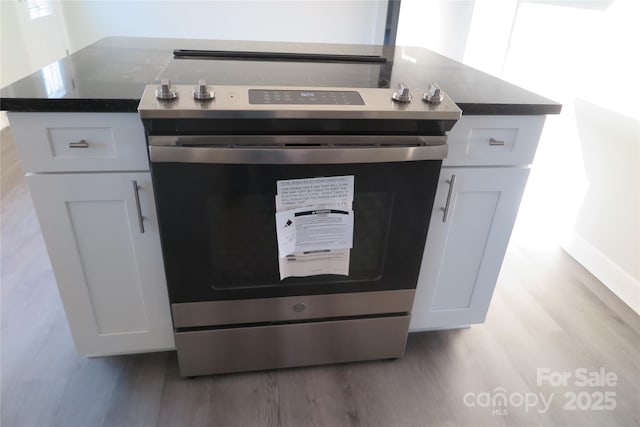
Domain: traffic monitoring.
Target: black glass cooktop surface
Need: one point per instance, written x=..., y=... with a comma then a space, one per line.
x=278, y=73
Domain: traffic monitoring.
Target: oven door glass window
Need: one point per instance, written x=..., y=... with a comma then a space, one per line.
x=217, y=225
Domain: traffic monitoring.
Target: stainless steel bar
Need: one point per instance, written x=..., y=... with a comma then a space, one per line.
x=319, y=155
x=209, y=313
x=278, y=56
x=298, y=140
x=136, y=193
x=80, y=144
x=452, y=183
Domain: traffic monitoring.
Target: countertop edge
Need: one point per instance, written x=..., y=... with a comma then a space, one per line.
x=41, y=105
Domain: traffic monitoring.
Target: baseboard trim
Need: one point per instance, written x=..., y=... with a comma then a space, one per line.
x=621, y=283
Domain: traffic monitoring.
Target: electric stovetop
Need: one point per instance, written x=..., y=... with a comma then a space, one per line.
x=279, y=70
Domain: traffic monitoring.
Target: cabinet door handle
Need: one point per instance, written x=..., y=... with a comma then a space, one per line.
x=80, y=144
x=136, y=189
x=452, y=182
x=493, y=141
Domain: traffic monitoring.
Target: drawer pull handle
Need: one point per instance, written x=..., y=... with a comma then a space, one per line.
x=80, y=144
x=452, y=183
x=496, y=142
x=137, y=196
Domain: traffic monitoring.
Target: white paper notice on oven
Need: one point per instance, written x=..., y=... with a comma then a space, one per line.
x=314, y=224
x=314, y=191
x=304, y=264
x=314, y=229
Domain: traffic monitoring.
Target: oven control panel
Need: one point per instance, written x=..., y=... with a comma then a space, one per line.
x=269, y=102
x=305, y=97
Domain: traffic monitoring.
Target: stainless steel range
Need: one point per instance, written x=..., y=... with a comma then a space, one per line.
x=293, y=219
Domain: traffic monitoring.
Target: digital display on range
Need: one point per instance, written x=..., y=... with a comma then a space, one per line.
x=305, y=97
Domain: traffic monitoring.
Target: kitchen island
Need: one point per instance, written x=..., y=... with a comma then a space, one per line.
x=80, y=140
x=110, y=75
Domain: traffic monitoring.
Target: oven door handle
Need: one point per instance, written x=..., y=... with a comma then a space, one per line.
x=305, y=150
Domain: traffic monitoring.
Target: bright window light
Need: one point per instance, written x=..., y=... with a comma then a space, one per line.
x=39, y=8
x=53, y=80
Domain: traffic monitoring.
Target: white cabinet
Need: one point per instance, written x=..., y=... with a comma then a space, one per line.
x=109, y=269
x=494, y=140
x=476, y=204
x=100, y=229
x=82, y=167
x=463, y=254
x=77, y=142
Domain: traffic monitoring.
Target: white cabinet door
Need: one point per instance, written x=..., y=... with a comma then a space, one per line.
x=109, y=273
x=463, y=254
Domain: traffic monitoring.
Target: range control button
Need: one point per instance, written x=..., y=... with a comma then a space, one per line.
x=299, y=307
x=402, y=94
x=165, y=92
x=202, y=91
x=433, y=95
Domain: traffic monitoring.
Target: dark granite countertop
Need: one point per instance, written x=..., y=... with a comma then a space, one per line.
x=110, y=75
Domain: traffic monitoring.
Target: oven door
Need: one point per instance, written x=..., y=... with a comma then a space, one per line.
x=216, y=208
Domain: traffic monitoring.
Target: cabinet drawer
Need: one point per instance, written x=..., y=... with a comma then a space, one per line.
x=494, y=140
x=79, y=142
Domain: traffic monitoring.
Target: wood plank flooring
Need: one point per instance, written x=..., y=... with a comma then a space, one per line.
x=548, y=312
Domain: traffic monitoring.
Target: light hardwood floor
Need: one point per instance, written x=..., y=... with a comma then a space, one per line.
x=548, y=312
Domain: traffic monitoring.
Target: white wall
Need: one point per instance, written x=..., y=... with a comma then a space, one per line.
x=606, y=235
x=439, y=25
x=588, y=168
x=609, y=216
x=584, y=187
x=26, y=45
x=14, y=62
x=323, y=21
